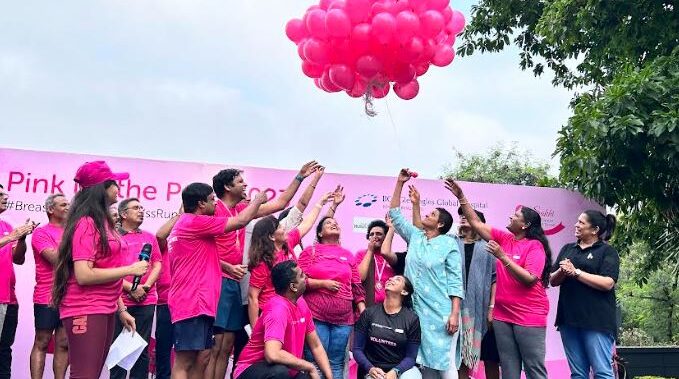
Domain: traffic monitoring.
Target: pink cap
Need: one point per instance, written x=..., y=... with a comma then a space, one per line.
x=93, y=173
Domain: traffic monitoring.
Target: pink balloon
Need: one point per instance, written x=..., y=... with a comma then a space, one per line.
x=342, y=76
x=317, y=82
x=418, y=6
x=382, y=7
x=404, y=74
x=337, y=4
x=324, y=4
x=361, y=33
x=438, y=4
x=295, y=30
x=400, y=6
x=411, y=51
x=407, y=91
x=312, y=8
x=368, y=66
x=421, y=69
x=379, y=91
x=327, y=84
x=447, y=14
x=316, y=51
x=456, y=24
x=315, y=23
x=300, y=49
x=312, y=70
x=358, y=10
x=337, y=23
x=384, y=26
x=407, y=25
x=428, y=52
x=359, y=88
x=443, y=56
x=431, y=23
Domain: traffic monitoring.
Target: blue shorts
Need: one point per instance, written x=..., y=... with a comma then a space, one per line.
x=194, y=334
x=230, y=308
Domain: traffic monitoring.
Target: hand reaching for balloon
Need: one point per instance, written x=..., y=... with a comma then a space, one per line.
x=338, y=195
x=454, y=188
x=413, y=194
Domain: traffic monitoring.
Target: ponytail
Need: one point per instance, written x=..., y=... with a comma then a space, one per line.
x=535, y=232
x=605, y=223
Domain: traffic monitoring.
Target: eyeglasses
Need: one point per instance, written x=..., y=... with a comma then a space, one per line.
x=135, y=208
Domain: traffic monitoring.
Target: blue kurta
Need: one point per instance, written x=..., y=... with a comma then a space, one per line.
x=434, y=267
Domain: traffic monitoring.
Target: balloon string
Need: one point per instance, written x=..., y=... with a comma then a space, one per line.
x=399, y=152
x=369, y=106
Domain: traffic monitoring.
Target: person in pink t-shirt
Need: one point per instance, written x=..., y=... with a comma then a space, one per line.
x=376, y=261
x=230, y=187
x=12, y=251
x=521, y=305
x=277, y=343
x=271, y=245
x=140, y=301
x=334, y=290
x=45, y=243
x=89, y=272
x=196, y=275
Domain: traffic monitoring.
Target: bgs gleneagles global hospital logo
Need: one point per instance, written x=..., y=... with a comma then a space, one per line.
x=366, y=200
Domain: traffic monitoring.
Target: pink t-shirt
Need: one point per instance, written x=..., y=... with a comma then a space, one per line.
x=383, y=272
x=7, y=277
x=232, y=244
x=165, y=279
x=260, y=276
x=322, y=261
x=514, y=302
x=196, y=273
x=135, y=241
x=96, y=298
x=44, y=238
x=282, y=320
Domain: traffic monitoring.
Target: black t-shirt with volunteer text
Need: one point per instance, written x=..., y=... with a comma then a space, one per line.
x=580, y=305
x=388, y=335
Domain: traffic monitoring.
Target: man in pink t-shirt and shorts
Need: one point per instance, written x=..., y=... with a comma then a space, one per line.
x=45, y=245
x=277, y=343
x=230, y=187
x=196, y=275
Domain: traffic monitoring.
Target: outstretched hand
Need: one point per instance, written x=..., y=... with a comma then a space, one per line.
x=308, y=168
x=453, y=187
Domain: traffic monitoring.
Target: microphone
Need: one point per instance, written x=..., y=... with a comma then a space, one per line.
x=144, y=255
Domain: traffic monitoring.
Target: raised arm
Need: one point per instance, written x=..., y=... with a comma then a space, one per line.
x=479, y=227
x=303, y=201
x=387, y=253
x=166, y=228
x=310, y=218
x=282, y=201
x=247, y=214
x=337, y=199
x=414, y=195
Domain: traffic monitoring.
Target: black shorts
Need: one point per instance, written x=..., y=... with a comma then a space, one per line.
x=194, y=334
x=489, y=351
x=46, y=318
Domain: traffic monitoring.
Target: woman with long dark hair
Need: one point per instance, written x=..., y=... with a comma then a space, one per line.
x=269, y=246
x=334, y=290
x=89, y=273
x=586, y=271
x=521, y=305
x=387, y=335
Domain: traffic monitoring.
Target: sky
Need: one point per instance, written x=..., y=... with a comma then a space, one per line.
x=218, y=81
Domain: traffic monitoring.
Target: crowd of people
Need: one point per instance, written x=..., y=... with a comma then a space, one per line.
x=453, y=299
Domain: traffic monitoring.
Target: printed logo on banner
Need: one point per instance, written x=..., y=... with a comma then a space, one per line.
x=366, y=200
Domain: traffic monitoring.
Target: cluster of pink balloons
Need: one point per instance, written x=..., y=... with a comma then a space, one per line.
x=368, y=46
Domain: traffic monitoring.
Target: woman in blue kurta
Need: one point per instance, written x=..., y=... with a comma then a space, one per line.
x=433, y=264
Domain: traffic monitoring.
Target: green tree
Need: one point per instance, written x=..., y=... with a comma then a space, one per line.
x=501, y=165
x=650, y=311
x=621, y=145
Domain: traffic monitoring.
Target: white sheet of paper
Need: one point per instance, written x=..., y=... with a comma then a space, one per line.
x=125, y=350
